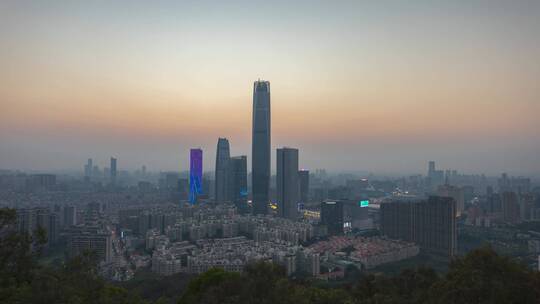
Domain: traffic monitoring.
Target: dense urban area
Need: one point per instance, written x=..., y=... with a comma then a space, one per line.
x=153, y=232
x=145, y=225
x=269, y=152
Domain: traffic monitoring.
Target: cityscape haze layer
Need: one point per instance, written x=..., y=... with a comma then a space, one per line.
x=306, y=152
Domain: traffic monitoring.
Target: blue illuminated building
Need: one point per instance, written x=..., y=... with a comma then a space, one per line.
x=195, y=175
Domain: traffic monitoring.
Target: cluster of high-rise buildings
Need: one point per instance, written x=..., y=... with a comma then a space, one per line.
x=220, y=222
x=507, y=199
x=92, y=171
x=30, y=220
x=429, y=223
x=230, y=183
x=80, y=234
x=28, y=182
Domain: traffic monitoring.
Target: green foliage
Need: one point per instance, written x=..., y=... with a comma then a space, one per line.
x=153, y=287
x=262, y=283
x=482, y=276
x=214, y=286
x=410, y=286
x=23, y=280
x=18, y=255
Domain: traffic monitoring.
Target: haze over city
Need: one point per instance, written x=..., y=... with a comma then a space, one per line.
x=376, y=87
x=269, y=152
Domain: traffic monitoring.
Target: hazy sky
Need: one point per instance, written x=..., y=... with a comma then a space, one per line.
x=380, y=86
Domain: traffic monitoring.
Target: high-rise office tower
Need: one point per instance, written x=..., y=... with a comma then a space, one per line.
x=431, y=168
x=303, y=175
x=113, y=170
x=332, y=216
x=260, y=149
x=493, y=202
x=527, y=208
x=513, y=184
x=98, y=242
x=41, y=181
x=287, y=184
x=435, y=177
x=238, y=192
x=26, y=220
x=88, y=169
x=222, y=170
x=504, y=183
x=435, y=225
x=431, y=223
x=96, y=172
x=30, y=219
x=53, y=228
x=195, y=174
x=511, y=207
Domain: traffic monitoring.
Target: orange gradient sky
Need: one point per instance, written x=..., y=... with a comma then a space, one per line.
x=355, y=85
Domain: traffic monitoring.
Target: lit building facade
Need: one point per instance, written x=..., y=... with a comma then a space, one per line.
x=195, y=174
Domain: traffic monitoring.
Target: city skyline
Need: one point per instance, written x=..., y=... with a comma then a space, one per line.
x=304, y=151
x=367, y=87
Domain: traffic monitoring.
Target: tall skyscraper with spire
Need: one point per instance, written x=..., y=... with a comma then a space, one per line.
x=223, y=157
x=260, y=149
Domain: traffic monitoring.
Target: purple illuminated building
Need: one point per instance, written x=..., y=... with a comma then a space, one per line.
x=195, y=175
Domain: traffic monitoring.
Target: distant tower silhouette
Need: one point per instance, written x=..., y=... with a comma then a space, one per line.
x=113, y=170
x=223, y=157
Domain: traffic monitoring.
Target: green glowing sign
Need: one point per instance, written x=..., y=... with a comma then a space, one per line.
x=364, y=203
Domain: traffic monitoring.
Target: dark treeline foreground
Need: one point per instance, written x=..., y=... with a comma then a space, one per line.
x=480, y=277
